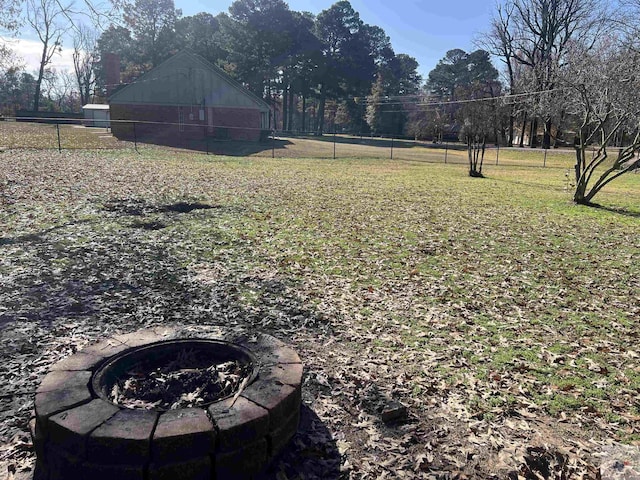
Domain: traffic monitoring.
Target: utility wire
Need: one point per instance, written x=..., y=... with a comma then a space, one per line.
x=438, y=103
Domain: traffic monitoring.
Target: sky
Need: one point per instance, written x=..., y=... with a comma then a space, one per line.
x=424, y=29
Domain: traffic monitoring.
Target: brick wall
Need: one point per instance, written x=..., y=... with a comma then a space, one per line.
x=163, y=126
x=111, y=66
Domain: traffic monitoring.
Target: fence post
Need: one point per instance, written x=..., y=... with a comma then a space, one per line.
x=58, y=131
x=206, y=138
x=273, y=143
x=497, y=153
x=446, y=150
x=135, y=138
x=391, y=147
x=544, y=162
x=334, y=142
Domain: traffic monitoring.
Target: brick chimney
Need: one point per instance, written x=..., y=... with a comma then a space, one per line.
x=111, y=65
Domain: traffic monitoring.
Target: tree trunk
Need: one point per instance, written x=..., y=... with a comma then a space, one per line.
x=533, y=140
x=511, y=129
x=524, y=128
x=292, y=108
x=320, y=115
x=475, y=152
x=546, y=140
x=43, y=61
x=304, y=112
x=578, y=195
x=285, y=108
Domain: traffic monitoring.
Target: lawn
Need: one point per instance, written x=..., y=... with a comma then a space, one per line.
x=22, y=135
x=42, y=136
x=502, y=315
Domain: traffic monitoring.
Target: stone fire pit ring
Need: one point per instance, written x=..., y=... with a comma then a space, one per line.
x=78, y=433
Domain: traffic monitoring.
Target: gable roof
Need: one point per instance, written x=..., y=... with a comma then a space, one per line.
x=174, y=82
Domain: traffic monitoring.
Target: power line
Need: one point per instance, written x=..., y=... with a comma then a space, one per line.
x=439, y=103
x=367, y=101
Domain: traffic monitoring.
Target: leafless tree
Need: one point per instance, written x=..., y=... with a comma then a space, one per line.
x=9, y=24
x=85, y=59
x=59, y=88
x=47, y=19
x=601, y=86
x=478, y=117
x=627, y=18
x=499, y=41
x=9, y=15
x=8, y=59
x=536, y=34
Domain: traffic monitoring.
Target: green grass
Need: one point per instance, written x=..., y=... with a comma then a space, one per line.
x=513, y=268
x=74, y=137
x=43, y=136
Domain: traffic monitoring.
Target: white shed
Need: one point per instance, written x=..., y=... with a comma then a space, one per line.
x=97, y=115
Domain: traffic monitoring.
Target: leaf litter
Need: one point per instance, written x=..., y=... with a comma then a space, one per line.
x=512, y=357
x=186, y=381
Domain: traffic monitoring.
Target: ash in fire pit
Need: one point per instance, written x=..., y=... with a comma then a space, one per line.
x=190, y=379
x=177, y=374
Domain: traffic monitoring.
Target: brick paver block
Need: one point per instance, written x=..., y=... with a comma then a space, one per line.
x=286, y=374
x=243, y=462
x=69, y=430
x=92, y=471
x=182, y=433
x=106, y=348
x=194, y=469
x=280, y=400
x=125, y=438
x=143, y=337
x=77, y=361
x=50, y=403
x=280, y=436
x=269, y=349
x=239, y=424
x=63, y=380
x=40, y=471
x=62, y=465
x=37, y=438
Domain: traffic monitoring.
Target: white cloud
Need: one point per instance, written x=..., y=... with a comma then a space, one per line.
x=30, y=51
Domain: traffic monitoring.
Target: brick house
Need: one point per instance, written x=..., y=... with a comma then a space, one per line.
x=187, y=98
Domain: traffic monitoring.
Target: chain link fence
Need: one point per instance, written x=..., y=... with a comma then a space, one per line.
x=79, y=134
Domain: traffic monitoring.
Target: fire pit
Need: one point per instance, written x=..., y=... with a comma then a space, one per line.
x=154, y=405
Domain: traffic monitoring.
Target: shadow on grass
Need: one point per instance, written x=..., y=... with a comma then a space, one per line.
x=375, y=141
x=617, y=210
x=312, y=453
x=140, y=207
x=231, y=148
x=37, y=237
x=131, y=277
